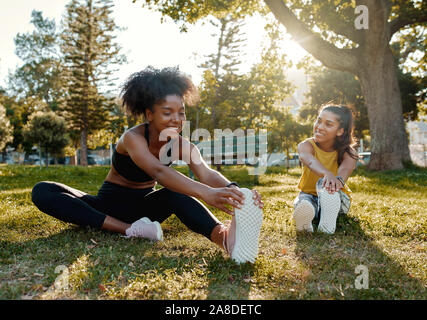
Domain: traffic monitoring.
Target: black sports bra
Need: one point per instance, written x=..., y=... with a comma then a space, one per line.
x=125, y=166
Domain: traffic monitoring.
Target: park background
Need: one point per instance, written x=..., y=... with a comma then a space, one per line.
x=61, y=67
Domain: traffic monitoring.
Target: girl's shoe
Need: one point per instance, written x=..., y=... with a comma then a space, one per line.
x=330, y=205
x=145, y=228
x=304, y=215
x=245, y=229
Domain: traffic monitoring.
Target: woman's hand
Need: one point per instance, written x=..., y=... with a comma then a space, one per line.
x=256, y=196
x=257, y=199
x=331, y=183
x=220, y=197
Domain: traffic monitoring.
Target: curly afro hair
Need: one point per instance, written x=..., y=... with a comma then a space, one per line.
x=150, y=86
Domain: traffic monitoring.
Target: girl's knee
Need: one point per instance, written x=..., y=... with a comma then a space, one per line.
x=40, y=192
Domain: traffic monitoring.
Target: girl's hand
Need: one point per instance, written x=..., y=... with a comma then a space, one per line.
x=220, y=197
x=256, y=196
x=257, y=199
x=331, y=183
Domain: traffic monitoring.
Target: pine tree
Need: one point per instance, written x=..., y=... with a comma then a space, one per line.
x=90, y=52
x=223, y=62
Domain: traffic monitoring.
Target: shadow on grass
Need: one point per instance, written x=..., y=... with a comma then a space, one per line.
x=407, y=179
x=28, y=266
x=131, y=268
x=227, y=280
x=332, y=260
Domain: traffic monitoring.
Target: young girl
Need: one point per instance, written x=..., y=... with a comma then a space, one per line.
x=127, y=201
x=328, y=160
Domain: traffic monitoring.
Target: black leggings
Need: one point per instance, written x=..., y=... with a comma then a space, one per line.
x=125, y=204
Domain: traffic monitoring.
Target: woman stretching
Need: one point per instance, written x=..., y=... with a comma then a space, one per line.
x=127, y=202
x=328, y=160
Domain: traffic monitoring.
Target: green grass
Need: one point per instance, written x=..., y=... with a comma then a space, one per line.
x=385, y=230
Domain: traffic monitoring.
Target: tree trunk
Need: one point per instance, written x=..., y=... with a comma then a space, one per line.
x=40, y=155
x=47, y=158
x=380, y=87
x=83, y=148
x=376, y=69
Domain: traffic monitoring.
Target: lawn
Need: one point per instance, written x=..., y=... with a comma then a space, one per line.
x=385, y=231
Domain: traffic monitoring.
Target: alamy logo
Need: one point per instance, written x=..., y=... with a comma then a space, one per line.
x=361, y=21
x=61, y=281
x=362, y=280
x=226, y=147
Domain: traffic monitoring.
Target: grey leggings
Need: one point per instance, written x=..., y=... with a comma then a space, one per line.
x=125, y=204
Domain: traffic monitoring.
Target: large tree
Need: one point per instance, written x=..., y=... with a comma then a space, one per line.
x=221, y=66
x=39, y=78
x=336, y=35
x=90, y=53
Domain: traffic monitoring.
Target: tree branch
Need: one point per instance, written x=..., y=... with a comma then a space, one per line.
x=403, y=21
x=327, y=53
x=348, y=32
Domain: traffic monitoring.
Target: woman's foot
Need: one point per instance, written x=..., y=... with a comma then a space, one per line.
x=330, y=205
x=243, y=233
x=229, y=235
x=145, y=228
x=303, y=216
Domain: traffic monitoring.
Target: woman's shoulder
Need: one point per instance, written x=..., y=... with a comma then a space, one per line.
x=307, y=142
x=307, y=145
x=132, y=137
x=135, y=132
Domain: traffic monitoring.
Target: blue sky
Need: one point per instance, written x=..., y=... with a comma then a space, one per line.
x=167, y=46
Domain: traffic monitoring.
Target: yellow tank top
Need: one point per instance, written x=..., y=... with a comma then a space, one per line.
x=329, y=160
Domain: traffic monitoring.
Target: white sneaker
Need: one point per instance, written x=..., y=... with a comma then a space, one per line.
x=145, y=228
x=304, y=215
x=248, y=221
x=330, y=205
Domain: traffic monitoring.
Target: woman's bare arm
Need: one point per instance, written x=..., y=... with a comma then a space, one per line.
x=306, y=155
x=202, y=171
x=137, y=148
x=347, y=166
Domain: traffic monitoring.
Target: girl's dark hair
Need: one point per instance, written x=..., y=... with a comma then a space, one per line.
x=346, y=142
x=150, y=86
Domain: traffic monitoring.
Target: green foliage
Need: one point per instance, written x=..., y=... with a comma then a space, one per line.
x=245, y=101
x=193, y=10
x=6, y=129
x=48, y=131
x=39, y=79
x=90, y=54
x=219, y=77
x=267, y=82
x=285, y=132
